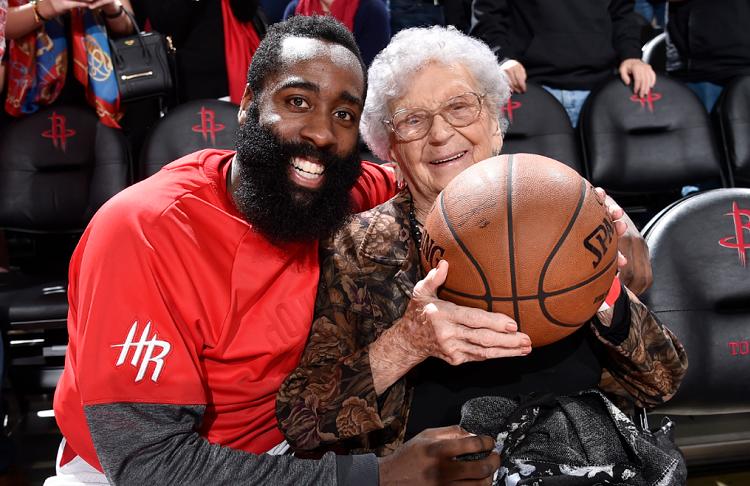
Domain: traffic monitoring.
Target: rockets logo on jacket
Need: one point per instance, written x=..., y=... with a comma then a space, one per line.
x=143, y=352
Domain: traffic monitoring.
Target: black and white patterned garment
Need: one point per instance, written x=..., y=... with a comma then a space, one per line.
x=579, y=440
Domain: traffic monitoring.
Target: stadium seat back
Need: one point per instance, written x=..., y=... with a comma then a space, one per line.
x=538, y=124
x=193, y=126
x=57, y=167
x=732, y=112
x=644, y=150
x=701, y=291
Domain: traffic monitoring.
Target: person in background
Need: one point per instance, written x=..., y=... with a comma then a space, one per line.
x=215, y=41
x=274, y=9
x=179, y=344
x=52, y=38
x=366, y=19
x=567, y=46
x=652, y=10
x=708, y=44
x=415, y=13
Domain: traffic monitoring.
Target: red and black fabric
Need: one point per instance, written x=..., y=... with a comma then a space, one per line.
x=39, y=62
x=3, y=18
x=240, y=43
x=342, y=10
x=37, y=67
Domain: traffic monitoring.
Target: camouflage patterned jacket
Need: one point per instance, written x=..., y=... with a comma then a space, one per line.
x=368, y=272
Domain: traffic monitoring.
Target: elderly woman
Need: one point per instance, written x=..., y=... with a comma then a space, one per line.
x=386, y=358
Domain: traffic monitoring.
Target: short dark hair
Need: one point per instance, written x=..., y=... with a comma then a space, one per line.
x=267, y=59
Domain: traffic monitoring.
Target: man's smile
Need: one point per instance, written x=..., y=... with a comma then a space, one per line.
x=306, y=172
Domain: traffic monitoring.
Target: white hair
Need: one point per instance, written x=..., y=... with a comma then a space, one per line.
x=409, y=51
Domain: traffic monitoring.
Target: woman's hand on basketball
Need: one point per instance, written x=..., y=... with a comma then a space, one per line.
x=633, y=264
x=434, y=327
x=458, y=334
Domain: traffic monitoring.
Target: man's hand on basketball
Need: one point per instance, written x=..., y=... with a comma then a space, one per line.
x=633, y=264
x=429, y=459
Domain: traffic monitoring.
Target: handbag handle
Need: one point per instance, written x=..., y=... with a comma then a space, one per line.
x=138, y=33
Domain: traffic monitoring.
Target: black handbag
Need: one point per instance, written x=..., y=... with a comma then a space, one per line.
x=142, y=65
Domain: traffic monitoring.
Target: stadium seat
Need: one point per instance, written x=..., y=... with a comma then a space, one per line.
x=655, y=53
x=644, y=150
x=193, y=126
x=538, y=124
x=732, y=115
x=57, y=167
x=701, y=291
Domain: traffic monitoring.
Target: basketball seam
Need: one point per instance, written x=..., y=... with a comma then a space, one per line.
x=511, y=248
x=487, y=298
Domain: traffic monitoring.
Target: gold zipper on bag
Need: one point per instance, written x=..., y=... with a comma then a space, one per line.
x=128, y=77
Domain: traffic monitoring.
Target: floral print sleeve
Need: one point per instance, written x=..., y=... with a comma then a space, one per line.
x=648, y=366
x=365, y=284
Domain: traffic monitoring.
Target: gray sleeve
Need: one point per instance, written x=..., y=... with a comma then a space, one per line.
x=157, y=444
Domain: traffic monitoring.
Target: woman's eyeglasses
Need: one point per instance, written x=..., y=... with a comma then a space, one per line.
x=459, y=111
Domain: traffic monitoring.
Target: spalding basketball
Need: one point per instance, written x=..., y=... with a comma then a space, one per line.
x=526, y=236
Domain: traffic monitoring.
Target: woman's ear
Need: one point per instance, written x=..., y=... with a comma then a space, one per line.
x=497, y=136
x=396, y=167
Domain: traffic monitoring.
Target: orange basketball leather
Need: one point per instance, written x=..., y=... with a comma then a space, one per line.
x=526, y=236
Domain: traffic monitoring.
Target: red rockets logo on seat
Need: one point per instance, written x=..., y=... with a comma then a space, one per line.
x=737, y=241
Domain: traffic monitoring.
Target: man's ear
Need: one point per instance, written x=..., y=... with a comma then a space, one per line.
x=247, y=98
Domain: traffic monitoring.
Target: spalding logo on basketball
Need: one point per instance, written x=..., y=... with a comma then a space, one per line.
x=526, y=236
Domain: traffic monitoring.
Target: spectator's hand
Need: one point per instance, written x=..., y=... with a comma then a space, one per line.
x=643, y=74
x=109, y=7
x=454, y=333
x=434, y=327
x=633, y=264
x=429, y=459
x=516, y=75
x=53, y=8
x=59, y=7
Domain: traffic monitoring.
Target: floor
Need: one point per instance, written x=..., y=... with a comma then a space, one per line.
x=37, y=439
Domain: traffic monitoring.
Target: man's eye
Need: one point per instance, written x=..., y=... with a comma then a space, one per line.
x=344, y=115
x=298, y=102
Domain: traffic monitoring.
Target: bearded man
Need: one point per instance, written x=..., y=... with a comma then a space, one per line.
x=191, y=293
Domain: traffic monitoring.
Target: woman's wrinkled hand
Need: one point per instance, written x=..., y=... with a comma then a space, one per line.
x=434, y=327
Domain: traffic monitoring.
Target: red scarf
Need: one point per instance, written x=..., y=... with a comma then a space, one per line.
x=39, y=62
x=240, y=43
x=342, y=10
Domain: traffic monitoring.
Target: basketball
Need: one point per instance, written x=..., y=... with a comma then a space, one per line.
x=527, y=236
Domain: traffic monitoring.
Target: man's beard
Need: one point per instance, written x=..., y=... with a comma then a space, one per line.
x=278, y=208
